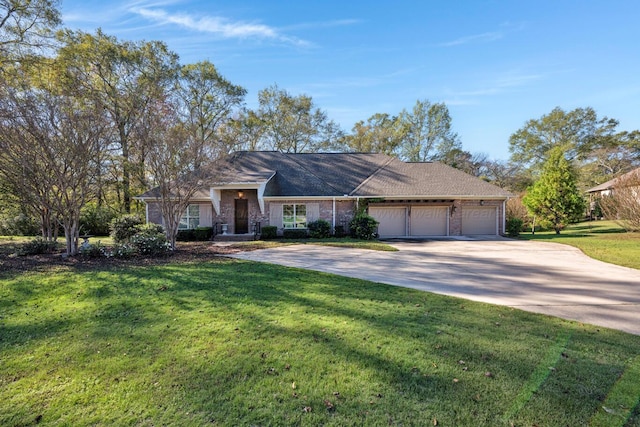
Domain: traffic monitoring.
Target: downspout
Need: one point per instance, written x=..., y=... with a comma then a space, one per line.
x=504, y=217
x=333, y=220
x=146, y=210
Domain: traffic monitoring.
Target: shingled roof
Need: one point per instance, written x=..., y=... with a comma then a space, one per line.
x=308, y=174
x=612, y=183
x=339, y=174
x=428, y=179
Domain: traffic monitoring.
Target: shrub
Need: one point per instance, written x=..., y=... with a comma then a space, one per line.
x=338, y=231
x=151, y=229
x=37, y=246
x=125, y=227
x=93, y=250
x=148, y=241
x=19, y=225
x=319, y=229
x=514, y=226
x=294, y=233
x=364, y=227
x=96, y=220
x=203, y=233
x=186, y=235
x=269, y=232
x=122, y=250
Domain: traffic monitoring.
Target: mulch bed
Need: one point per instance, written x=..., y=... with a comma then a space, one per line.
x=186, y=252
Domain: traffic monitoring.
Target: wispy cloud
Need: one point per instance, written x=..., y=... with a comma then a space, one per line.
x=475, y=38
x=507, y=82
x=323, y=24
x=220, y=26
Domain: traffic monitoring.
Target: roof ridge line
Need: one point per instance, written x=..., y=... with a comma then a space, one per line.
x=391, y=159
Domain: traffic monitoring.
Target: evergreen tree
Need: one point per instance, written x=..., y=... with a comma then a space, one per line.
x=555, y=197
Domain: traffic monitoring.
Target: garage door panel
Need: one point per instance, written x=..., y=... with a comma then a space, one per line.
x=393, y=221
x=479, y=221
x=429, y=221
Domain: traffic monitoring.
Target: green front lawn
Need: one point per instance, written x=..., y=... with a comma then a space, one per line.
x=239, y=343
x=603, y=240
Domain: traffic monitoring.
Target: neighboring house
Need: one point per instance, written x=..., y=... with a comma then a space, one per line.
x=606, y=188
x=290, y=190
x=629, y=180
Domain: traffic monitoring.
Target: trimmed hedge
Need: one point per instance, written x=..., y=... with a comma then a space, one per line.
x=293, y=233
x=195, y=234
x=186, y=235
x=203, y=233
x=269, y=232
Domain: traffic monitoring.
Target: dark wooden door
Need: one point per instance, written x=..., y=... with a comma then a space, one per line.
x=242, y=216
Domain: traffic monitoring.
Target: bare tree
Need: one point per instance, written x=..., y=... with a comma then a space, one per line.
x=171, y=158
x=182, y=136
x=623, y=203
x=48, y=145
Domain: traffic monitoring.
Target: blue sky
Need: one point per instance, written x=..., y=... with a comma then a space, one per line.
x=496, y=64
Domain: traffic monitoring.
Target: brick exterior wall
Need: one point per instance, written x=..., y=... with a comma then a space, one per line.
x=344, y=211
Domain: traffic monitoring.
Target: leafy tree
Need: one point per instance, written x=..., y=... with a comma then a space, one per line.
x=123, y=78
x=293, y=124
x=381, y=133
x=575, y=132
x=206, y=101
x=26, y=24
x=427, y=133
x=612, y=157
x=244, y=131
x=555, y=197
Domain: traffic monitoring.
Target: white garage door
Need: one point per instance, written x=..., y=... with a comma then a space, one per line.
x=479, y=221
x=429, y=221
x=393, y=221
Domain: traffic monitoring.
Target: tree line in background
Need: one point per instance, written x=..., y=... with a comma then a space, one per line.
x=88, y=121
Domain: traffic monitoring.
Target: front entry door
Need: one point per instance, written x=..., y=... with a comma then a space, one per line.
x=242, y=216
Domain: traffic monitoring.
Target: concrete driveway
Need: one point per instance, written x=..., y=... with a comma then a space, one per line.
x=547, y=278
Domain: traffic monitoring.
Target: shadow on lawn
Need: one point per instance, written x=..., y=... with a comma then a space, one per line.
x=227, y=339
x=412, y=355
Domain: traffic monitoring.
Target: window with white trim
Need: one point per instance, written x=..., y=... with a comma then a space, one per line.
x=294, y=216
x=190, y=218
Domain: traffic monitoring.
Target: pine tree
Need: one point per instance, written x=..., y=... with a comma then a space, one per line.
x=555, y=197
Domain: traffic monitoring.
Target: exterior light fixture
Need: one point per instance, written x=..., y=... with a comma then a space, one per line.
x=240, y=194
x=481, y=202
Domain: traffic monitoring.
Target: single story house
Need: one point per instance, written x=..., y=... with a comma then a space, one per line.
x=606, y=188
x=289, y=190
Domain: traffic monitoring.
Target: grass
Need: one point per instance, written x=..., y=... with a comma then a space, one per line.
x=602, y=240
x=238, y=343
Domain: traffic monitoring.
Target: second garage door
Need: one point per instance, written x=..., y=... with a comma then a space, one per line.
x=429, y=221
x=393, y=221
x=479, y=221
